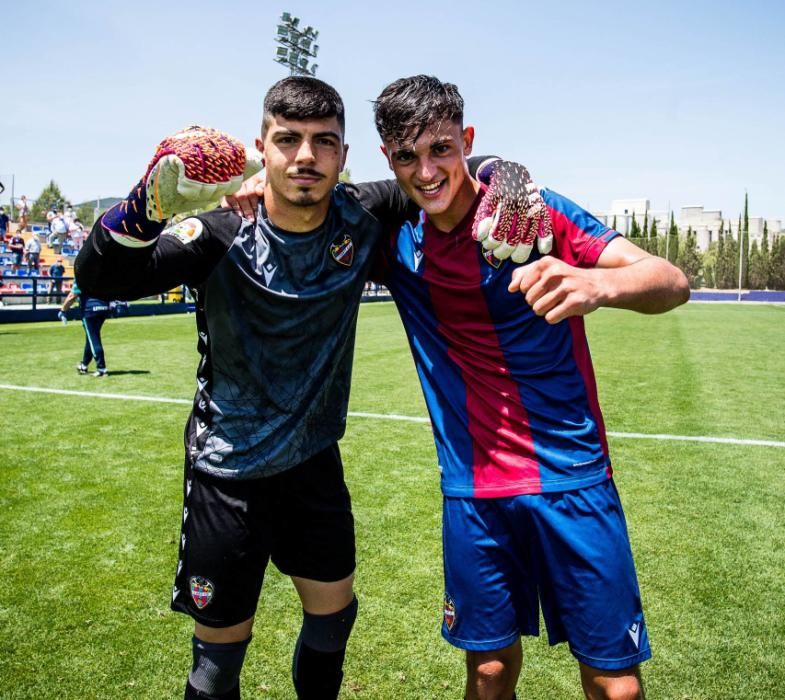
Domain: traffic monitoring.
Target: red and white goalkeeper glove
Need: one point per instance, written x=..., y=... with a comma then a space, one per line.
x=191, y=169
x=512, y=214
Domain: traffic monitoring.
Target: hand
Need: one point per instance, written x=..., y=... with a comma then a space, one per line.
x=557, y=290
x=246, y=200
x=193, y=169
x=512, y=214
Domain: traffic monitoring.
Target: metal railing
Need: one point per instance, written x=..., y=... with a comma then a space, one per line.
x=38, y=289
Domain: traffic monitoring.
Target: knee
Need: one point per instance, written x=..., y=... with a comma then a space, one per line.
x=490, y=672
x=491, y=675
x=328, y=633
x=625, y=687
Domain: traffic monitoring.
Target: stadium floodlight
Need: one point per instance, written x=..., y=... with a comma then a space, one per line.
x=296, y=46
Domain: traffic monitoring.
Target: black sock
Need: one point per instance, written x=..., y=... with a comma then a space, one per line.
x=192, y=693
x=317, y=675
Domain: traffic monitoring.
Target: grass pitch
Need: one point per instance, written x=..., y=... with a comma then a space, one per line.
x=90, y=509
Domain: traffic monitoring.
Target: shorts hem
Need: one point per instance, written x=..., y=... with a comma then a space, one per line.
x=612, y=664
x=491, y=645
x=321, y=578
x=206, y=621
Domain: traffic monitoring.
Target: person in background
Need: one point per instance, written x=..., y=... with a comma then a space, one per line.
x=17, y=247
x=5, y=221
x=94, y=313
x=56, y=273
x=76, y=232
x=23, y=211
x=33, y=253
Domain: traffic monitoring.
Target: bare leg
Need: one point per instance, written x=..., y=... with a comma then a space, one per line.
x=492, y=675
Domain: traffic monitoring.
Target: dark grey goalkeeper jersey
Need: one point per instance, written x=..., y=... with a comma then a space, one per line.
x=276, y=314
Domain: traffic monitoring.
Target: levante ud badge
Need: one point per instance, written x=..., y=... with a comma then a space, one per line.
x=449, y=612
x=201, y=591
x=342, y=250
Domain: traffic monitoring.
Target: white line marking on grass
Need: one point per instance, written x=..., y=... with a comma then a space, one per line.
x=700, y=438
x=396, y=417
x=95, y=394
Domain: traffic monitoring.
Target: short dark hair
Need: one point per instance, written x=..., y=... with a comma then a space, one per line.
x=407, y=107
x=302, y=97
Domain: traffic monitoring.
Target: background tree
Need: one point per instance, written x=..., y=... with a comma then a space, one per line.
x=744, y=234
x=672, y=242
x=50, y=196
x=614, y=223
x=765, y=252
x=777, y=265
x=689, y=259
x=635, y=231
x=720, y=259
x=653, y=244
x=86, y=214
x=757, y=268
x=728, y=265
x=710, y=265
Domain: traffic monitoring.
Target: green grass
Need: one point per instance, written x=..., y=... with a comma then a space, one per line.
x=90, y=509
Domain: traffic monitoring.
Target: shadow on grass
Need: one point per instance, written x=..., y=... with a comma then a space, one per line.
x=119, y=372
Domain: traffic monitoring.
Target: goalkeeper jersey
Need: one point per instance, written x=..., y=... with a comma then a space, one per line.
x=512, y=399
x=276, y=315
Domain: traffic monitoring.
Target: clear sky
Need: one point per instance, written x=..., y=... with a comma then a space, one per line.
x=682, y=102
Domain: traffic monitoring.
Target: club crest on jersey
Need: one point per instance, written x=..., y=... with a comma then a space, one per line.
x=491, y=259
x=449, y=612
x=201, y=591
x=187, y=231
x=342, y=250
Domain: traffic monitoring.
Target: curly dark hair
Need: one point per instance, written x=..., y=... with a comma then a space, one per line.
x=302, y=97
x=407, y=107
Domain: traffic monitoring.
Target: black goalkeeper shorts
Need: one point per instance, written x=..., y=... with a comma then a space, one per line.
x=301, y=519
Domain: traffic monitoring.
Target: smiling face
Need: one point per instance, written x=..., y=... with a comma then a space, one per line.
x=303, y=159
x=432, y=171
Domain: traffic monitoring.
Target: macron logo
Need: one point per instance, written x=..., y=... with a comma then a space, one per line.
x=635, y=634
x=417, y=259
x=269, y=272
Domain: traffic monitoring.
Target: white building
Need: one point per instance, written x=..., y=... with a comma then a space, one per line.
x=622, y=211
x=705, y=223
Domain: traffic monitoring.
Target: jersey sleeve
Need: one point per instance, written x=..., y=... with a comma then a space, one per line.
x=579, y=237
x=185, y=253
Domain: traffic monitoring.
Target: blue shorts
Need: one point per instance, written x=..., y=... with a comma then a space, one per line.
x=569, y=552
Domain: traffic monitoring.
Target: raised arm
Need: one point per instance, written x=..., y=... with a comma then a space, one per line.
x=126, y=256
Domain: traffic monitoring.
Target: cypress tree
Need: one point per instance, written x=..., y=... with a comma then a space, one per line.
x=673, y=241
x=635, y=230
x=765, y=253
x=777, y=268
x=745, y=241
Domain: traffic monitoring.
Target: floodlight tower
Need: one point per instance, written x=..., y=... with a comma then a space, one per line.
x=296, y=46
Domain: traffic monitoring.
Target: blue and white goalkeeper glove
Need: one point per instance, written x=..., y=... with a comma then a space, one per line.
x=512, y=214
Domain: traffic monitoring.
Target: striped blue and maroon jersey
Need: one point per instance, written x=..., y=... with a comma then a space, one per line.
x=512, y=399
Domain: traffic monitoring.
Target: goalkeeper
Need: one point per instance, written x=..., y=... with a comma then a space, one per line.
x=276, y=310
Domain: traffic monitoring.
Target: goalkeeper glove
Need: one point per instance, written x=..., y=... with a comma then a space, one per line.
x=512, y=213
x=191, y=169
